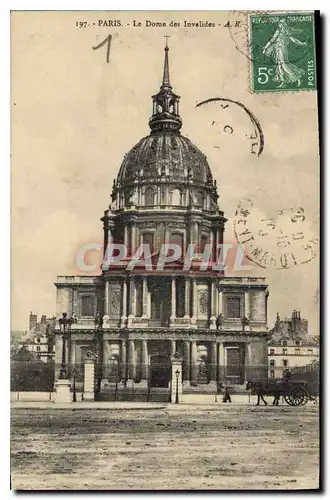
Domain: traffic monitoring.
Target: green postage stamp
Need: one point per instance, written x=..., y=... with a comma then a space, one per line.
x=282, y=50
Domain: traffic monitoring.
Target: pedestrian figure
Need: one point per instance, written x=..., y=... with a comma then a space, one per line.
x=226, y=396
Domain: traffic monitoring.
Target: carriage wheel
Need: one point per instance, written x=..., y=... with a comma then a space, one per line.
x=296, y=397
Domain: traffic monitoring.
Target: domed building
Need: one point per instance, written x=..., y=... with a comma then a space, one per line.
x=138, y=314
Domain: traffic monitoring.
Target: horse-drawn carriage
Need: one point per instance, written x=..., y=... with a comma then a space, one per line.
x=296, y=391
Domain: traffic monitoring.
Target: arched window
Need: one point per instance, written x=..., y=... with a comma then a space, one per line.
x=149, y=196
x=284, y=343
x=87, y=305
x=176, y=198
x=203, y=242
x=177, y=239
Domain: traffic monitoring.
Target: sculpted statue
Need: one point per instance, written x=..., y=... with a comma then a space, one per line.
x=219, y=321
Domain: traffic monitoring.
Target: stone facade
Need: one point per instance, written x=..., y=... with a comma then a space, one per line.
x=136, y=319
x=290, y=345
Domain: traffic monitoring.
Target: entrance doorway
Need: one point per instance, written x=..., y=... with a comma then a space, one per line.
x=160, y=295
x=160, y=371
x=234, y=364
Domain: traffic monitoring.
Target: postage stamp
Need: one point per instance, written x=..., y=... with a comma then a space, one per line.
x=282, y=50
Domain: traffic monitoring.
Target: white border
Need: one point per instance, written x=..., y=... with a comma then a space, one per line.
x=5, y=168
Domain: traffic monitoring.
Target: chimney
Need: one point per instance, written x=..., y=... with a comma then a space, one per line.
x=298, y=321
x=293, y=321
x=33, y=319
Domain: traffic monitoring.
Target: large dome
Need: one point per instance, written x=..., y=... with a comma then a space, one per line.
x=164, y=155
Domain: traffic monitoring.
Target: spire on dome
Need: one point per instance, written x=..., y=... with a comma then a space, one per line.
x=165, y=114
x=166, y=72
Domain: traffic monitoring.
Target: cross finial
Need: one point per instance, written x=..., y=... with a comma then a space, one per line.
x=166, y=38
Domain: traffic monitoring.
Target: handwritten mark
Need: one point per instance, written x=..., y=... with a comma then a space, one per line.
x=228, y=129
x=106, y=40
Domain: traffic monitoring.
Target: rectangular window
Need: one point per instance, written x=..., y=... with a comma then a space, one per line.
x=148, y=239
x=233, y=307
x=310, y=352
x=138, y=296
x=285, y=362
x=284, y=351
x=272, y=351
x=272, y=362
x=297, y=352
x=272, y=374
x=180, y=294
x=87, y=305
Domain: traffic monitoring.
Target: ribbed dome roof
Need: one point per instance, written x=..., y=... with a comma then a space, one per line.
x=166, y=155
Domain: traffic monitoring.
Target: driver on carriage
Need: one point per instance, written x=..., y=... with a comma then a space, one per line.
x=287, y=374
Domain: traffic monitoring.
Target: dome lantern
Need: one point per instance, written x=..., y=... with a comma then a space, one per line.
x=165, y=114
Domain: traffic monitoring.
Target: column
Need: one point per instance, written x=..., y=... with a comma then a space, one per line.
x=173, y=347
x=126, y=242
x=124, y=303
x=221, y=362
x=106, y=301
x=212, y=307
x=144, y=297
x=193, y=363
x=123, y=361
x=213, y=362
x=196, y=231
x=220, y=302
x=132, y=301
x=194, y=302
x=247, y=303
x=105, y=355
x=133, y=238
x=144, y=364
x=186, y=356
x=187, y=299
x=173, y=311
x=131, y=360
x=211, y=243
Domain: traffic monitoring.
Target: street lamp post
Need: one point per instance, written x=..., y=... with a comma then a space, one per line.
x=74, y=397
x=65, y=326
x=177, y=373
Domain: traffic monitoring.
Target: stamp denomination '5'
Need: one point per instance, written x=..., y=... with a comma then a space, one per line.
x=282, y=52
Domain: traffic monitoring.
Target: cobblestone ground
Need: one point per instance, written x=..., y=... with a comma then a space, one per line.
x=174, y=447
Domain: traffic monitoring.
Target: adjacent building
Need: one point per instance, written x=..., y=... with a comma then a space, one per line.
x=134, y=318
x=39, y=340
x=290, y=345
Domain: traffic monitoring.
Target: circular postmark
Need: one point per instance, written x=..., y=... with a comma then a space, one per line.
x=282, y=241
x=235, y=120
x=258, y=34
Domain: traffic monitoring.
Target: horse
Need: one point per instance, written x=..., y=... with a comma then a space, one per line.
x=262, y=388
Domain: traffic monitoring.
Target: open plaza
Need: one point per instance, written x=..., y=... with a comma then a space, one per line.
x=150, y=446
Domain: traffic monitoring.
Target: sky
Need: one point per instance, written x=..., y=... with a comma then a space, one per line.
x=74, y=116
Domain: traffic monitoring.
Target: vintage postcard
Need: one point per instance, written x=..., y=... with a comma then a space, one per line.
x=165, y=179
